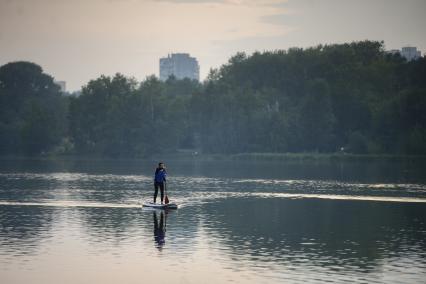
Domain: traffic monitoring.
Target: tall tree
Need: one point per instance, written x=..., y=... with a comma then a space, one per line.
x=33, y=112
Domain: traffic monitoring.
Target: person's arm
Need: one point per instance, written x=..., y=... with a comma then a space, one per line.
x=155, y=174
x=164, y=176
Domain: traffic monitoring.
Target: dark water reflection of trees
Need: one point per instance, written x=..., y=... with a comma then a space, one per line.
x=22, y=228
x=348, y=233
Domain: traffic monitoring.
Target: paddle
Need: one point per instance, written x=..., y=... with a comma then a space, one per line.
x=166, y=199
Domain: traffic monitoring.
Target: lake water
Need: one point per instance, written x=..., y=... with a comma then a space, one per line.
x=242, y=222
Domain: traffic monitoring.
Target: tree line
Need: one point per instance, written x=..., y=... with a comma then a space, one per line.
x=352, y=97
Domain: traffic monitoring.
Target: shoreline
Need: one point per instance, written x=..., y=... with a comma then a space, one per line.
x=283, y=157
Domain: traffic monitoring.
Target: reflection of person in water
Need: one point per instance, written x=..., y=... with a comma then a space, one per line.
x=159, y=230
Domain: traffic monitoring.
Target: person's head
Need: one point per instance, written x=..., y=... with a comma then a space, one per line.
x=161, y=165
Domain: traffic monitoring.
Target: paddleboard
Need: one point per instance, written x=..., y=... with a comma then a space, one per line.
x=160, y=206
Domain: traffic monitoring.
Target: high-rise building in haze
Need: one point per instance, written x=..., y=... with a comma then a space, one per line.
x=408, y=52
x=180, y=65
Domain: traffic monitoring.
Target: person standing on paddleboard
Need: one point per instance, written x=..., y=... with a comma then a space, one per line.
x=160, y=181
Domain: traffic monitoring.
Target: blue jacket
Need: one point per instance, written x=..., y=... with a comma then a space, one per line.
x=160, y=175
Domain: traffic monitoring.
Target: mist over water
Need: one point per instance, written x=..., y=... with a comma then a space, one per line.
x=250, y=222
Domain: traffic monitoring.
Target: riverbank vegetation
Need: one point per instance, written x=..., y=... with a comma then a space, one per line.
x=348, y=99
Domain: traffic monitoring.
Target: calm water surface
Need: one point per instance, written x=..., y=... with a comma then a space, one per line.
x=242, y=222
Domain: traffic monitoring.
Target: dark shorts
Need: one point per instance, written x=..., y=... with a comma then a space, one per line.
x=159, y=185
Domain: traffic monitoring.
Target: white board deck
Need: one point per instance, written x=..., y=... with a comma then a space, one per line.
x=160, y=206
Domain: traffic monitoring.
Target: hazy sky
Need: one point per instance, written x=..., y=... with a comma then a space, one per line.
x=78, y=40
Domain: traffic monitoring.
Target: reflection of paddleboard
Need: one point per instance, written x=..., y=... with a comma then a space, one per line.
x=160, y=206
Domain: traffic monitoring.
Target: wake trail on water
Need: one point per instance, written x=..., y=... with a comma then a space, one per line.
x=341, y=197
x=214, y=197
x=71, y=204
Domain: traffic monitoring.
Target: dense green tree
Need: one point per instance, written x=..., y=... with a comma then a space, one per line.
x=318, y=99
x=322, y=98
x=33, y=112
x=116, y=117
x=317, y=118
x=102, y=117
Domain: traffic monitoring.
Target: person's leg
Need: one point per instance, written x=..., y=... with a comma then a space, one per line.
x=162, y=191
x=155, y=191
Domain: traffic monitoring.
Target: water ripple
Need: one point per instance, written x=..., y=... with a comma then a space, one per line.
x=230, y=229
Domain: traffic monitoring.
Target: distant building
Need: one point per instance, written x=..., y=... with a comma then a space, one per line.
x=408, y=52
x=62, y=85
x=180, y=65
